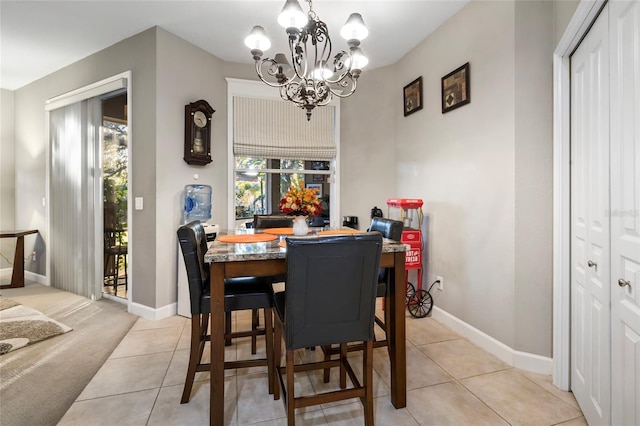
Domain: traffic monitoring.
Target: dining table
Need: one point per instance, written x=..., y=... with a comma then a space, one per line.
x=243, y=252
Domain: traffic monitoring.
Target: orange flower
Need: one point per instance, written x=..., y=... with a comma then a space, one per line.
x=300, y=201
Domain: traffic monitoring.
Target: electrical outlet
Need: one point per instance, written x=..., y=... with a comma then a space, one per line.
x=440, y=283
x=33, y=256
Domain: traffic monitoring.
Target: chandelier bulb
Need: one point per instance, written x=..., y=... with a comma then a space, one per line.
x=257, y=40
x=357, y=59
x=292, y=15
x=354, y=28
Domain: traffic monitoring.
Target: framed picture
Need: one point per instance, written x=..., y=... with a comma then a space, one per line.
x=319, y=165
x=317, y=186
x=455, y=89
x=413, y=96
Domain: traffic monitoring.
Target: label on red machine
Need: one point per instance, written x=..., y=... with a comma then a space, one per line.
x=413, y=256
x=405, y=203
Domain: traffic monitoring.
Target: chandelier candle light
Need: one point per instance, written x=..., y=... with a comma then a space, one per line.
x=313, y=76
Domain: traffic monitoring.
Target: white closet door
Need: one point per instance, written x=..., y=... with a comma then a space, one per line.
x=590, y=270
x=625, y=211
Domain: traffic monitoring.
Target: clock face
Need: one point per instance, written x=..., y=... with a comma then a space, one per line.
x=199, y=119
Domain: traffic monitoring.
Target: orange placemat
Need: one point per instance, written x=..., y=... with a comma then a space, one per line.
x=278, y=231
x=340, y=232
x=246, y=238
x=283, y=243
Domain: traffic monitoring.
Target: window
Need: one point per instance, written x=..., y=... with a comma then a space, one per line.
x=271, y=144
x=260, y=183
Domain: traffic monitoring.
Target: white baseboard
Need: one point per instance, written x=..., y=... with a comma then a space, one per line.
x=28, y=275
x=151, y=313
x=523, y=360
x=32, y=276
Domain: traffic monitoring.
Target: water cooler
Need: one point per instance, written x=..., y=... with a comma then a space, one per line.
x=196, y=202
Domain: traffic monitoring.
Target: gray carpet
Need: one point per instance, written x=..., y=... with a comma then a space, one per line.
x=39, y=383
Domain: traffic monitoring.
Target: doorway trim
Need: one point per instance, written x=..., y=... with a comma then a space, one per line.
x=584, y=16
x=86, y=92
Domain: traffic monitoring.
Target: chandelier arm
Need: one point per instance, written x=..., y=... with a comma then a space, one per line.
x=340, y=69
x=342, y=94
x=271, y=70
x=296, y=56
x=302, y=83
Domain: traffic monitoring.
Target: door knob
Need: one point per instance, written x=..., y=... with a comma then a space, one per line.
x=591, y=264
x=623, y=283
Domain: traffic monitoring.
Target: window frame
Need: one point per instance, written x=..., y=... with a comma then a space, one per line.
x=257, y=89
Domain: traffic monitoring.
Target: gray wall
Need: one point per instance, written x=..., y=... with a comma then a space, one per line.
x=7, y=176
x=137, y=54
x=484, y=170
x=185, y=74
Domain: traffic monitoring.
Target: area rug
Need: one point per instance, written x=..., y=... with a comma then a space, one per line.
x=21, y=326
x=39, y=382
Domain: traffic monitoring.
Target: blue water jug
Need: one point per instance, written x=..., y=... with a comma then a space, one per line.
x=197, y=203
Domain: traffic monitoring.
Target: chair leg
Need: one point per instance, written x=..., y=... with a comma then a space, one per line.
x=327, y=356
x=290, y=393
x=255, y=321
x=227, y=328
x=268, y=331
x=126, y=275
x=116, y=273
x=277, y=357
x=367, y=368
x=343, y=370
x=194, y=355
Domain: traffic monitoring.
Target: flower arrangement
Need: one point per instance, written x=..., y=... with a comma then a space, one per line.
x=300, y=201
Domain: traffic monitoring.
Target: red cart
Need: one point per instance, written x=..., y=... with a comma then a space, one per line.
x=419, y=301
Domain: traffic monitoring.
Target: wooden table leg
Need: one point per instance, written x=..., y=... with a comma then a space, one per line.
x=397, y=337
x=216, y=415
x=17, y=276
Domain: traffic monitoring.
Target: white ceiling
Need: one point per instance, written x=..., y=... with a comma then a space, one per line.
x=40, y=37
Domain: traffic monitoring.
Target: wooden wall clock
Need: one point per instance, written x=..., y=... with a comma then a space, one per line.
x=197, y=133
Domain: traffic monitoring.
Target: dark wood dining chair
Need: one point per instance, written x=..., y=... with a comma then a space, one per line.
x=272, y=221
x=390, y=229
x=239, y=294
x=329, y=298
x=265, y=222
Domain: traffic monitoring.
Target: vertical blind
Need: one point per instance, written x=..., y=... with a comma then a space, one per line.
x=75, y=198
x=72, y=190
x=265, y=128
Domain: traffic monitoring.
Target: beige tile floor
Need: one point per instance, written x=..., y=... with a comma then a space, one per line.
x=450, y=382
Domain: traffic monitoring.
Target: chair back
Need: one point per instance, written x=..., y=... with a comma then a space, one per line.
x=193, y=243
x=331, y=289
x=272, y=221
x=389, y=228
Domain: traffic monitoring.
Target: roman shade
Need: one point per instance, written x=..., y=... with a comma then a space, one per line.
x=265, y=128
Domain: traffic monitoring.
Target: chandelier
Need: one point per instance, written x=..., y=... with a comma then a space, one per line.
x=310, y=77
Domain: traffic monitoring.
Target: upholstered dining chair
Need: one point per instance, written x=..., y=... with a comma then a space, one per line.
x=391, y=229
x=329, y=298
x=239, y=294
x=272, y=221
x=265, y=222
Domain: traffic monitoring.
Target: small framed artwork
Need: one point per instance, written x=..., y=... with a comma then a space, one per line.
x=317, y=186
x=319, y=165
x=456, y=90
x=413, y=96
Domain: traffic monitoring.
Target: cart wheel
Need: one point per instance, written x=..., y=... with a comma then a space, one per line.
x=420, y=304
x=411, y=291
